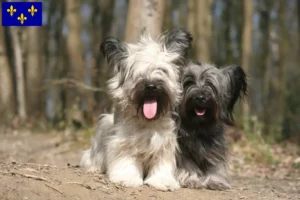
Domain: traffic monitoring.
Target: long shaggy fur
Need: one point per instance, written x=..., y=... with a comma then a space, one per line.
x=209, y=95
x=130, y=148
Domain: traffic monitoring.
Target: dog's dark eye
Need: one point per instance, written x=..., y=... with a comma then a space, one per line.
x=164, y=71
x=188, y=83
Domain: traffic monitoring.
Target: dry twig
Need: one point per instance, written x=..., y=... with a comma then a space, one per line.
x=80, y=184
x=76, y=83
x=49, y=186
x=38, y=178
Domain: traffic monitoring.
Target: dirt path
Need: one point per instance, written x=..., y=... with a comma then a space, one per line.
x=35, y=167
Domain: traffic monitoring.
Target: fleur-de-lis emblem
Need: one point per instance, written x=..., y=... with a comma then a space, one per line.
x=11, y=10
x=32, y=10
x=22, y=18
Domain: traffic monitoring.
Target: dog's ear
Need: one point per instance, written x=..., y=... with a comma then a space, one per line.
x=114, y=51
x=178, y=41
x=236, y=87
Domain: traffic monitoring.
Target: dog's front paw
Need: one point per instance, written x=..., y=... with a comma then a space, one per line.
x=126, y=171
x=216, y=183
x=126, y=180
x=162, y=183
x=193, y=182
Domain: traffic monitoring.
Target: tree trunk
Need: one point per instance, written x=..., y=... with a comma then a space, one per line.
x=56, y=66
x=265, y=62
x=203, y=29
x=227, y=21
x=7, y=103
x=298, y=5
x=144, y=14
x=191, y=22
x=34, y=71
x=20, y=82
x=237, y=20
x=246, y=47
x=103, y=72
x=281, y=80
x=76, y=70
x=168, y=14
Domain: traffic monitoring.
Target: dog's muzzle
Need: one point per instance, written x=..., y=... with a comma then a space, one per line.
x=199, y=102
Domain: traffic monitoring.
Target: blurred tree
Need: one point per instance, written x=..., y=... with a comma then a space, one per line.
x=103, y=72
x=7, y=103
x=76, y=68
x=280, y=84
x=168, y=15
x=247, y=48
x=203, y=30
x=191, y=21
x=227, y=28
x=144, y=14
x=237, y=20
x=55, y=61
x=298, y=6
x=34, y=70
x=19, y=65
x=264, y=60
x=227, y=32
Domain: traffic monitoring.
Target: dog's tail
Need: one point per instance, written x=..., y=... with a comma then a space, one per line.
x=93, y=159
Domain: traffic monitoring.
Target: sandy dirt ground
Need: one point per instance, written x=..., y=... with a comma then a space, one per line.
x=44, y=166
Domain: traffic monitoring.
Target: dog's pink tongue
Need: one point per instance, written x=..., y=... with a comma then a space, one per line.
x=150, y=108
x=200, y=112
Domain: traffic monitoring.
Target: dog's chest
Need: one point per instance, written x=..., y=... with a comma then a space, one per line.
x=152, y=141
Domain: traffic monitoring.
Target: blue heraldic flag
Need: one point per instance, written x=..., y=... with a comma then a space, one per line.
x=22, y=14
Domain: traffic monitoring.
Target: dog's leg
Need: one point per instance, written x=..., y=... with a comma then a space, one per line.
x=217, y=178
x=126, y=171
x=93, y=163
x=161, y=175
x=188, y=173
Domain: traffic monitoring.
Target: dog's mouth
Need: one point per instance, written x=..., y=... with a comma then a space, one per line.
x=150, y=107
x=200, y=111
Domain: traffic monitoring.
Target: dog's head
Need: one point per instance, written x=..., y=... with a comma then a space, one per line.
x=147, y=73
x=209, y=93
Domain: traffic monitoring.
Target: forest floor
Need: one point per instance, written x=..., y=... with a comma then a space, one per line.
x=44, y=166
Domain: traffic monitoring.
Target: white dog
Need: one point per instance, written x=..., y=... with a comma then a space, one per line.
x=137, y=144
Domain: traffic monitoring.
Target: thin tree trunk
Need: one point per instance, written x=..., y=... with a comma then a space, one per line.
x=298, y=5
x=191, y=21
x=238, y=22
x=227, y=20
x=7, y=103
x=34, y=71
x=265, y=62
x=281, y=44
x=246, y=47
x=54, y=62
x=76, y=71
x=168, y=14
x=107, y=20
x=20, y=82
x=144, y=14
x=203, y=30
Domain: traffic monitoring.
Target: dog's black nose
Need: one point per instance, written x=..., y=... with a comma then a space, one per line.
x=200, y=99
x=151, y=87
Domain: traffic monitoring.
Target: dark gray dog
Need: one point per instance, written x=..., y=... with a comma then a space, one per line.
x=207, y=105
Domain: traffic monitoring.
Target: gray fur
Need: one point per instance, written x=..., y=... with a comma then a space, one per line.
x=202, y=155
